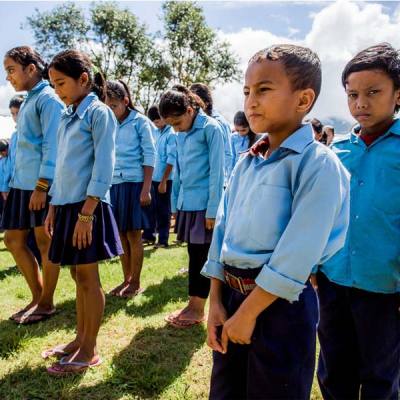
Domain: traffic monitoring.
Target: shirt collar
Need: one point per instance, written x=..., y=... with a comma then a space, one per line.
x=299, y=139
x=38, y=87
x=82, y=107
x=199, y=121
x=394, y=128
x=133, y=114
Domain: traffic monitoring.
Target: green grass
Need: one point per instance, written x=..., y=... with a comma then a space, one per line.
x=143, y=357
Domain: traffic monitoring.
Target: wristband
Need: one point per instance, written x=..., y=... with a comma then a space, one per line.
x=85, y=218
x=42, y=185
x=95, y=198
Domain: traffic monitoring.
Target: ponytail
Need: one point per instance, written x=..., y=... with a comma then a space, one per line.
x=99, y=86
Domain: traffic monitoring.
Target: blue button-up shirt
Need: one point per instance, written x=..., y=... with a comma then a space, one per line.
x=86, y=152
x=165, y=152
x=8, y=165
x=37, y=124
x=226, y=131
x=134, y=148
x=284, y=214
x=370, y=258
x=199, y=174
x=239, y=144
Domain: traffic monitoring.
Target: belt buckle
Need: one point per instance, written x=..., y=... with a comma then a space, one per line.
x=237, y=280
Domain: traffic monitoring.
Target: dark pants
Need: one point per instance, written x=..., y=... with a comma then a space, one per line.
x=161, y=207
x=199, y=286
x=279, y=363
x=359, y=333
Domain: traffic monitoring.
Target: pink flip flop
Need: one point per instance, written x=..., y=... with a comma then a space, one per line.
x=63, y=368
x=54, y=352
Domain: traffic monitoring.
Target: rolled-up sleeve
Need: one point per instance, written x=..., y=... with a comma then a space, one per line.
x=145, y=132
x=103, y=133
x=317, y=228
x=50, y=111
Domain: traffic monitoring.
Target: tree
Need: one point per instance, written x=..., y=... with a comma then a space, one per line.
x=194, y=51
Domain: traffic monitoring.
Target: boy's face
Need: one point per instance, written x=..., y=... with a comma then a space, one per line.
x=371, y=98
x=14, y=113
x=271, y=104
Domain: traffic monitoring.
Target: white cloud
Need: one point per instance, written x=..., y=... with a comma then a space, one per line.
x=7, y=125
x=338, y=32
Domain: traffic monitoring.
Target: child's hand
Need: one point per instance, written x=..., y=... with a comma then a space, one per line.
x=210, y=222
x=49, y=222
x=37, y=200
x=238, y=329
x=82, y=237
x=145, y=198
x=162, y=187
x=216, y=319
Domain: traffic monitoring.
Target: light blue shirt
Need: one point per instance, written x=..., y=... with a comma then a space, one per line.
x=165, y=152
x=239, y=144
x=199, y=175
x=8, y=164
x=37, y=125
x=134, y=148
x=370, y=258
x=226, y=131
x=86, y=153
x=284, y=214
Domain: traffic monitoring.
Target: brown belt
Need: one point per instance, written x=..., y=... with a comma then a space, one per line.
x=242, y=285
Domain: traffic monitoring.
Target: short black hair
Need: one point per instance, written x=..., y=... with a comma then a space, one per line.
x=317, y=125
x=383, y=57
x=3, y=144
x=16, y=101
x=153, y=113
x=301, y=64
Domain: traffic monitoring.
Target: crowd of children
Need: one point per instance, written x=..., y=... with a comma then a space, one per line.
x=290, y=233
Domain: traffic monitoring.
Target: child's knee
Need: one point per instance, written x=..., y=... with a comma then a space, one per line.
x=13, y=242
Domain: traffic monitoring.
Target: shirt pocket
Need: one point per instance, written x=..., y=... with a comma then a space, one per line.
x=387, y=190
x=269, y=215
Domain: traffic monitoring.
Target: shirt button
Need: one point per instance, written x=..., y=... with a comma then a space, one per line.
x=353, y=252
x=357, y=216
x=361, y=183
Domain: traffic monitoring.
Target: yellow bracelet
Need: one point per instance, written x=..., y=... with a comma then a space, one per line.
x=85, y=218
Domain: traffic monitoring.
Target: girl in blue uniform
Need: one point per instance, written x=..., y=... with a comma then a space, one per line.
x=198, y=185
x=80, y=221
x=131, y=184
x=163, y=173
x=27, y=201
x=243, y=138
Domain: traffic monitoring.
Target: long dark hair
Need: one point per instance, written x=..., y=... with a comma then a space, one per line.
x=119, y=90
x=241, y=120
x=74, y=63
x=25, y=55
x=204, y=92
x=176, y=101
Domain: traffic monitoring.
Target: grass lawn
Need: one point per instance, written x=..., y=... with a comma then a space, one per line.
x=143, y=357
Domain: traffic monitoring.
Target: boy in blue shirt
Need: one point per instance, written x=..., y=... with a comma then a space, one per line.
x=267, y=238
x=358, y=288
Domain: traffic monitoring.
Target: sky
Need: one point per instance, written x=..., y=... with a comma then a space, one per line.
x=335, y=30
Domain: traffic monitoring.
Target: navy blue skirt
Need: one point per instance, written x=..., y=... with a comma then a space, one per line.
x=190, y=227
x=16, y=214
x=128, y=213
x=105, y=238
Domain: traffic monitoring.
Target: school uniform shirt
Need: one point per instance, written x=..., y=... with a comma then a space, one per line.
x=239, y=144
x=165, y=152
x=38, y=120
x=86, y=152
x=284, y=214
x=134, y=148
x=226, y=131
x=199, y=175
x=8, y=164
x=370, y=258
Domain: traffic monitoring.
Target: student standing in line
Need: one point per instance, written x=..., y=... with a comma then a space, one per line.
x=163, y=174
x=204, y=92
x=197, y=189
x=80, y=221
x=267, y=238
x=243, y=137
x=131, y=184
x=27, y=201
x=358, y=288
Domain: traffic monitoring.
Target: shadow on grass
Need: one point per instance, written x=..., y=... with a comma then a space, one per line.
x=12, y=335
x=9, y=271
x=153, y=360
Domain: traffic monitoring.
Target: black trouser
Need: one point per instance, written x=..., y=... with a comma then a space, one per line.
x=359, y=333
x=199, y=286
x=279, y=363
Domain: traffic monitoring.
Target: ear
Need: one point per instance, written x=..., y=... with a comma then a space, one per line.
x=397, y=96
x=126, y=101
x=31, y=69
x=306, y=99
x=84, y=79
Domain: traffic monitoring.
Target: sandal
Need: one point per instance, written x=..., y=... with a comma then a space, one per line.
x=130, y=295
x=54, y=352
x=33, y=317
x=185, y=323
x=65, y=368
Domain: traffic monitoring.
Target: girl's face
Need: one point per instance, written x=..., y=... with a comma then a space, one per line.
x=372, y=98
x=69, y=90
x=21, y=78
x=119, y=107
x=183, y=122
x=14, y=113
x=242, y=130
